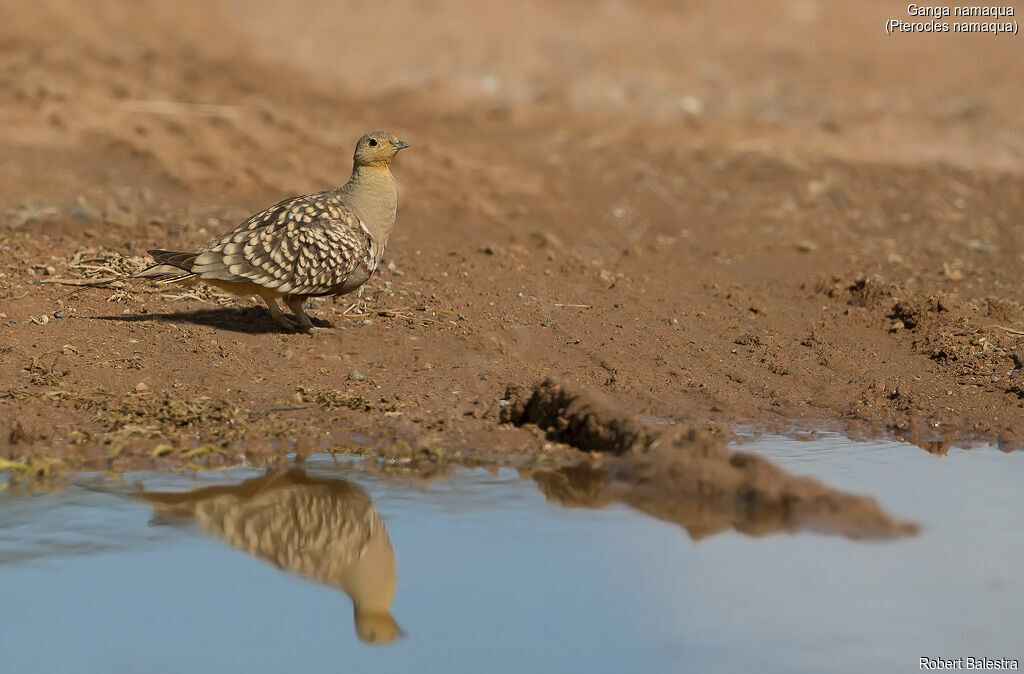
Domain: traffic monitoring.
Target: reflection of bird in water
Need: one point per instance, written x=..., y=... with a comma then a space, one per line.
x=327, y=530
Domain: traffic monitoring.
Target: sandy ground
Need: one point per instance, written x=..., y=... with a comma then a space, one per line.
x=774, y=218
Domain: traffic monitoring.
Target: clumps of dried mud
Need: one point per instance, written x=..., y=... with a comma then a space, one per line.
x=976, y=337
x=167, y=414
x=332, y=399
x=139, y=427
x=973, y=343
x=682, y=475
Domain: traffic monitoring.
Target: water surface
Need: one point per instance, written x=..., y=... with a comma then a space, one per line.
x=492, y=578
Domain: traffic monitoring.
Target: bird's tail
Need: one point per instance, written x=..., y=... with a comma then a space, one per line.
x=170, y=267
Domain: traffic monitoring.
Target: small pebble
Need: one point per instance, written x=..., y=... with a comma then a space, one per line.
x=367, y=321
x=462, y=317
x=356, y=375
x=126, y=312
x=141, y=387
x=58, y=314
x=44, y=319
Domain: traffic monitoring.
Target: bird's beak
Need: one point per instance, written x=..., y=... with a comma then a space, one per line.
x=401, y=145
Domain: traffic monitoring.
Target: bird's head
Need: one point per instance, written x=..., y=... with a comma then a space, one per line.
x=377, y=628
x=378, y=148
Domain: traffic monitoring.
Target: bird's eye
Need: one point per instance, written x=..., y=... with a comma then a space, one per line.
x=373, y=142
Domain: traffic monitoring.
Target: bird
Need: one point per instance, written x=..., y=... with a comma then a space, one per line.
x=321, y=244
x=325, y=529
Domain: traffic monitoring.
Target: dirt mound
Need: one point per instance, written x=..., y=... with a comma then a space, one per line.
x=587, y=421
x=682, y=475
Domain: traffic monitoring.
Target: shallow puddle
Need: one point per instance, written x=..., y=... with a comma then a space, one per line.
x=260, y=576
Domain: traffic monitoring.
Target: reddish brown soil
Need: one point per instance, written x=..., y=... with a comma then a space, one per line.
x=780, y=218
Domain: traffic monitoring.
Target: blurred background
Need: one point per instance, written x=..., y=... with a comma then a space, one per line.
x=797, y=73
x=264, y=98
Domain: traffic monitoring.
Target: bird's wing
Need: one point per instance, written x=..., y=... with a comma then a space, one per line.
x=304, y=246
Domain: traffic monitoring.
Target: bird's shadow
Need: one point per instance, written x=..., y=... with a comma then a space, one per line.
x=250, y=320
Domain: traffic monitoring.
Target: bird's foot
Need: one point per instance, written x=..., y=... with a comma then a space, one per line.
x=288, y=324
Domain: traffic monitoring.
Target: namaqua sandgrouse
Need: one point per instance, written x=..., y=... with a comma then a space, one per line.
x=324, y=528
x=328, y=243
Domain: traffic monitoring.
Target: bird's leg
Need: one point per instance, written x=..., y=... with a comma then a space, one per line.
x=278, y=315
x=305, y=325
